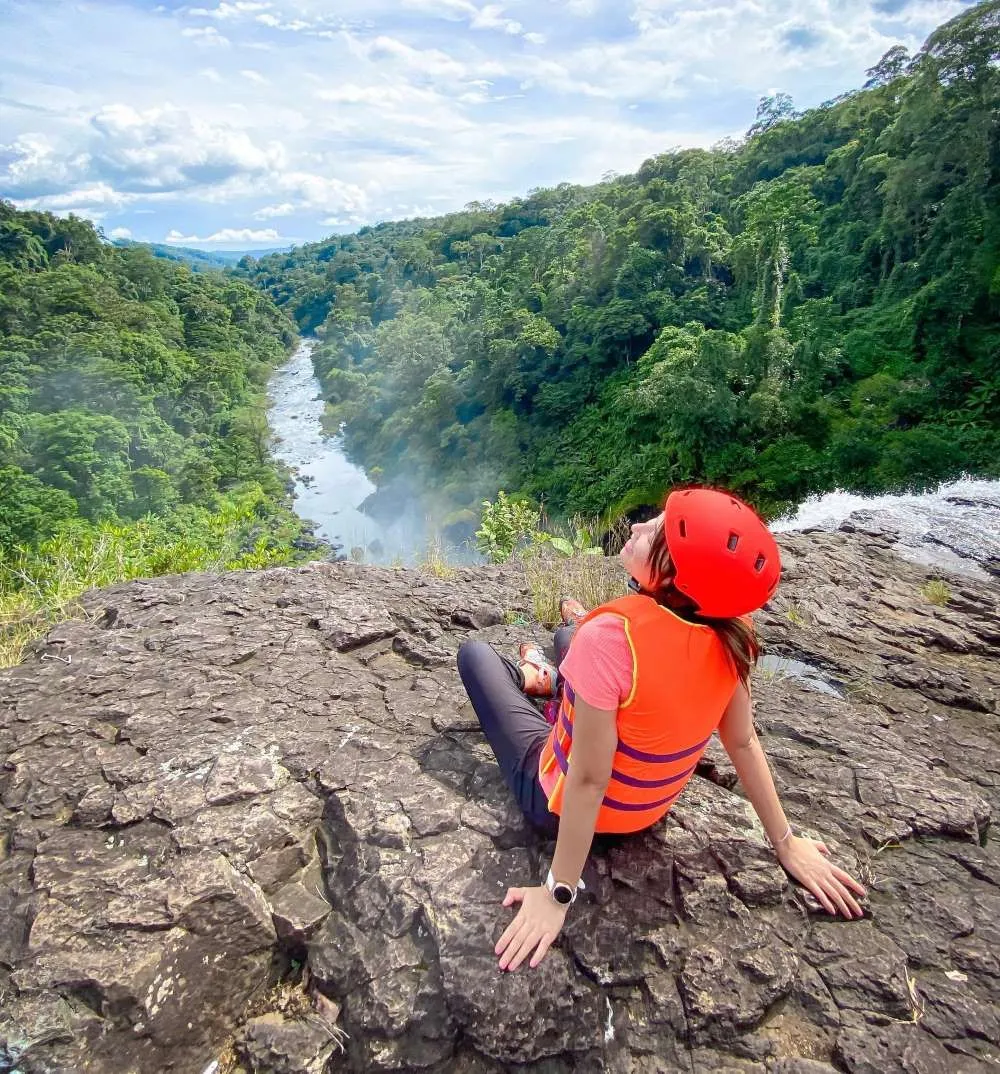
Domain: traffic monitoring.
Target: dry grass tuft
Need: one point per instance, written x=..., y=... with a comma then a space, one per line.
x=593, y=580
x=937, y=592
x=435, y=560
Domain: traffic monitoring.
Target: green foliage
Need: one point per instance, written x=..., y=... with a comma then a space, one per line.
x=40, y=582
x=581, y=543
x=506, y=523
x=815, y=306
x=129, y=386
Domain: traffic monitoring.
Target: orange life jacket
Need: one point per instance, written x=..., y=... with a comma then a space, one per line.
x=683, y=679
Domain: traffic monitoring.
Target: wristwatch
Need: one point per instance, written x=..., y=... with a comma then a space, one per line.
x=564, y=894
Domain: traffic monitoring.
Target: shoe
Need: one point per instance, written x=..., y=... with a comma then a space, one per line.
x=571, y=611
x=546, y=675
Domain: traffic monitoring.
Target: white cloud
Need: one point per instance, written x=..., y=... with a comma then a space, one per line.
x=323, y=193
x=446, y=9
x=206, y=36
x=120, y=233
x=535, y=39
x=429, y=61
x=226, y=234
x=212, y=75
x=268, y=212
x=84, y=200
x=168, y=148
x=491, y=17
x=254, y=76
x=230, y=10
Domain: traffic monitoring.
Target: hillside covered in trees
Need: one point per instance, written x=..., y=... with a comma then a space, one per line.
x=129, y=385
x=816, y=305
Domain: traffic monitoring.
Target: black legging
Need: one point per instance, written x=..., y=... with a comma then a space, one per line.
x=514, y=727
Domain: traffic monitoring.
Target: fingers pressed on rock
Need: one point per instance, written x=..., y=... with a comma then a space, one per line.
x=511, y=934
x=838, y=898
x=849, y=882
x=822, y=899
x=542, y=951
x=523, y=950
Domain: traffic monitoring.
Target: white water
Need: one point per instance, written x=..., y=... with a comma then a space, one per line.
x=954, y=528
x=328, y=486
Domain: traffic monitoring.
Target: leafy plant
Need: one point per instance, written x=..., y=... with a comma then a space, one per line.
x=505, y=524
x=579, y=545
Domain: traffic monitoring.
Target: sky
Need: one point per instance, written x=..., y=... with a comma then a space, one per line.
x=242, y=124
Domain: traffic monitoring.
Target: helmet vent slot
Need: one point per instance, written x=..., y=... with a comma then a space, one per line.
x=734, y=540
x=682, y=526
x=759, y=565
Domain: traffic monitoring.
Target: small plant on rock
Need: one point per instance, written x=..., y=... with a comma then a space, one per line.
x=795, y=616
x=436, y=560
x=505, y=525
x=937, y=592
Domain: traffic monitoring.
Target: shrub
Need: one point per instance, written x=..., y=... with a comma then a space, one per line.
x=505, y=524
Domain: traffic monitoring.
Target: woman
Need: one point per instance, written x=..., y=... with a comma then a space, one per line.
x=647, y=680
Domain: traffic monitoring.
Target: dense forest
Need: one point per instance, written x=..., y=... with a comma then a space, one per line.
x=813, y=306
x=130, y=387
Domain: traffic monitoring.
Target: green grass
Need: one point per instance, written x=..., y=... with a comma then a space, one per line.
x=41, y=585
x=593, y=580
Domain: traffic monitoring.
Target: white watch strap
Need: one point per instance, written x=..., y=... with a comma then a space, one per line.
x=550, y=883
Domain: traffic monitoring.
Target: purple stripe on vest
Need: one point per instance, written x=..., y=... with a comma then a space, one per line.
x=638, y=807
x=569, y=692
x=660, y=758
x=638, y=755
x=632, y=781
x=612, y=803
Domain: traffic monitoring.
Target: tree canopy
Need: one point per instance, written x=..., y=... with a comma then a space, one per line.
x=129, y=385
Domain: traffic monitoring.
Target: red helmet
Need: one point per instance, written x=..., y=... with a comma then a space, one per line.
x=724, y=556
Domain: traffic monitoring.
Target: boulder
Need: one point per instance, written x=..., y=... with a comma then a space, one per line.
x=232, y=790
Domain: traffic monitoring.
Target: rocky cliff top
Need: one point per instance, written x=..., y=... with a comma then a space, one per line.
x=248, y=822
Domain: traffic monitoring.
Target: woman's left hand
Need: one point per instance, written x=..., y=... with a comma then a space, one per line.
x=808, y=861
x=535, y=927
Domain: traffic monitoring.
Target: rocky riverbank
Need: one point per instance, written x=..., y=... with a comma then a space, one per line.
x=243, y=816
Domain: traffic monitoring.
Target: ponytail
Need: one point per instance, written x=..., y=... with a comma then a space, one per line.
x=738, y=636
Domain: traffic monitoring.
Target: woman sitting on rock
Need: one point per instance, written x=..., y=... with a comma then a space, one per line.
x=646, y=680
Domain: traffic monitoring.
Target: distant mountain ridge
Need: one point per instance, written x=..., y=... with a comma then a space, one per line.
x=201, y=259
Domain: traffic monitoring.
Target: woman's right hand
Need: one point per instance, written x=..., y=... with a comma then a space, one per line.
x=808, y=861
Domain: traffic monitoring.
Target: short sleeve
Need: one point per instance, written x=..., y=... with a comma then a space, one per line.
x=599, y=665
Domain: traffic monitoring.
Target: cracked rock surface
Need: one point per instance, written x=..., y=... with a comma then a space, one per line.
x=219, y=789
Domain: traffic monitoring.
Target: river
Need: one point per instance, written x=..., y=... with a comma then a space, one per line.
x=329, y=488
x=955, y=529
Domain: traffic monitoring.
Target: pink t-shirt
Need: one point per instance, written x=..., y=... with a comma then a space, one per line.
x=599, y=663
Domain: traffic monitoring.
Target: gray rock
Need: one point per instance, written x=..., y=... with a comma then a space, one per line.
x=243, y=777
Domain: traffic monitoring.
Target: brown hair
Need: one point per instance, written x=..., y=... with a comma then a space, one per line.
x=738, y=637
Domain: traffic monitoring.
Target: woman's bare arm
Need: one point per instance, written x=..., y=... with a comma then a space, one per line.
x=595, y=739
x=805, y=859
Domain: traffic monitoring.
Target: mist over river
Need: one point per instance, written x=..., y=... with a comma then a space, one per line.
x=329, y=488
x=955, y=528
